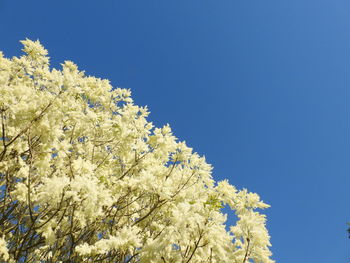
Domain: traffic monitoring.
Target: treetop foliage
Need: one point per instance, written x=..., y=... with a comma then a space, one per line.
x=84, y=177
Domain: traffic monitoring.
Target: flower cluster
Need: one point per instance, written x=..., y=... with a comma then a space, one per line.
x=84, y=177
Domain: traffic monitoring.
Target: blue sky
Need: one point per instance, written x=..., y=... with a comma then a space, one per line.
x=261, y=88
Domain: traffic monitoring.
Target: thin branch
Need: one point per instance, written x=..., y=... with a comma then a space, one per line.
x=247, y=250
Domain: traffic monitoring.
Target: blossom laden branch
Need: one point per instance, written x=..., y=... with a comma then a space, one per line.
x=85, y=177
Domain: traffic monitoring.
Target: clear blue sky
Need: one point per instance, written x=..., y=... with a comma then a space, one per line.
x=261, y=88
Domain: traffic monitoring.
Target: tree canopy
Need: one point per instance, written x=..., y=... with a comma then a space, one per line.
x=84, y=177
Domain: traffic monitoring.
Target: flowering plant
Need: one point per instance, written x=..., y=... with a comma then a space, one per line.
x=84, y=177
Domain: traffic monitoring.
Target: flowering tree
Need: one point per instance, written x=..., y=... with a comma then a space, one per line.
x=84, y=177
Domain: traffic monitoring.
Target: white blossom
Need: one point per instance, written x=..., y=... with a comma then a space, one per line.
x=3, y=249
x=85, y=177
